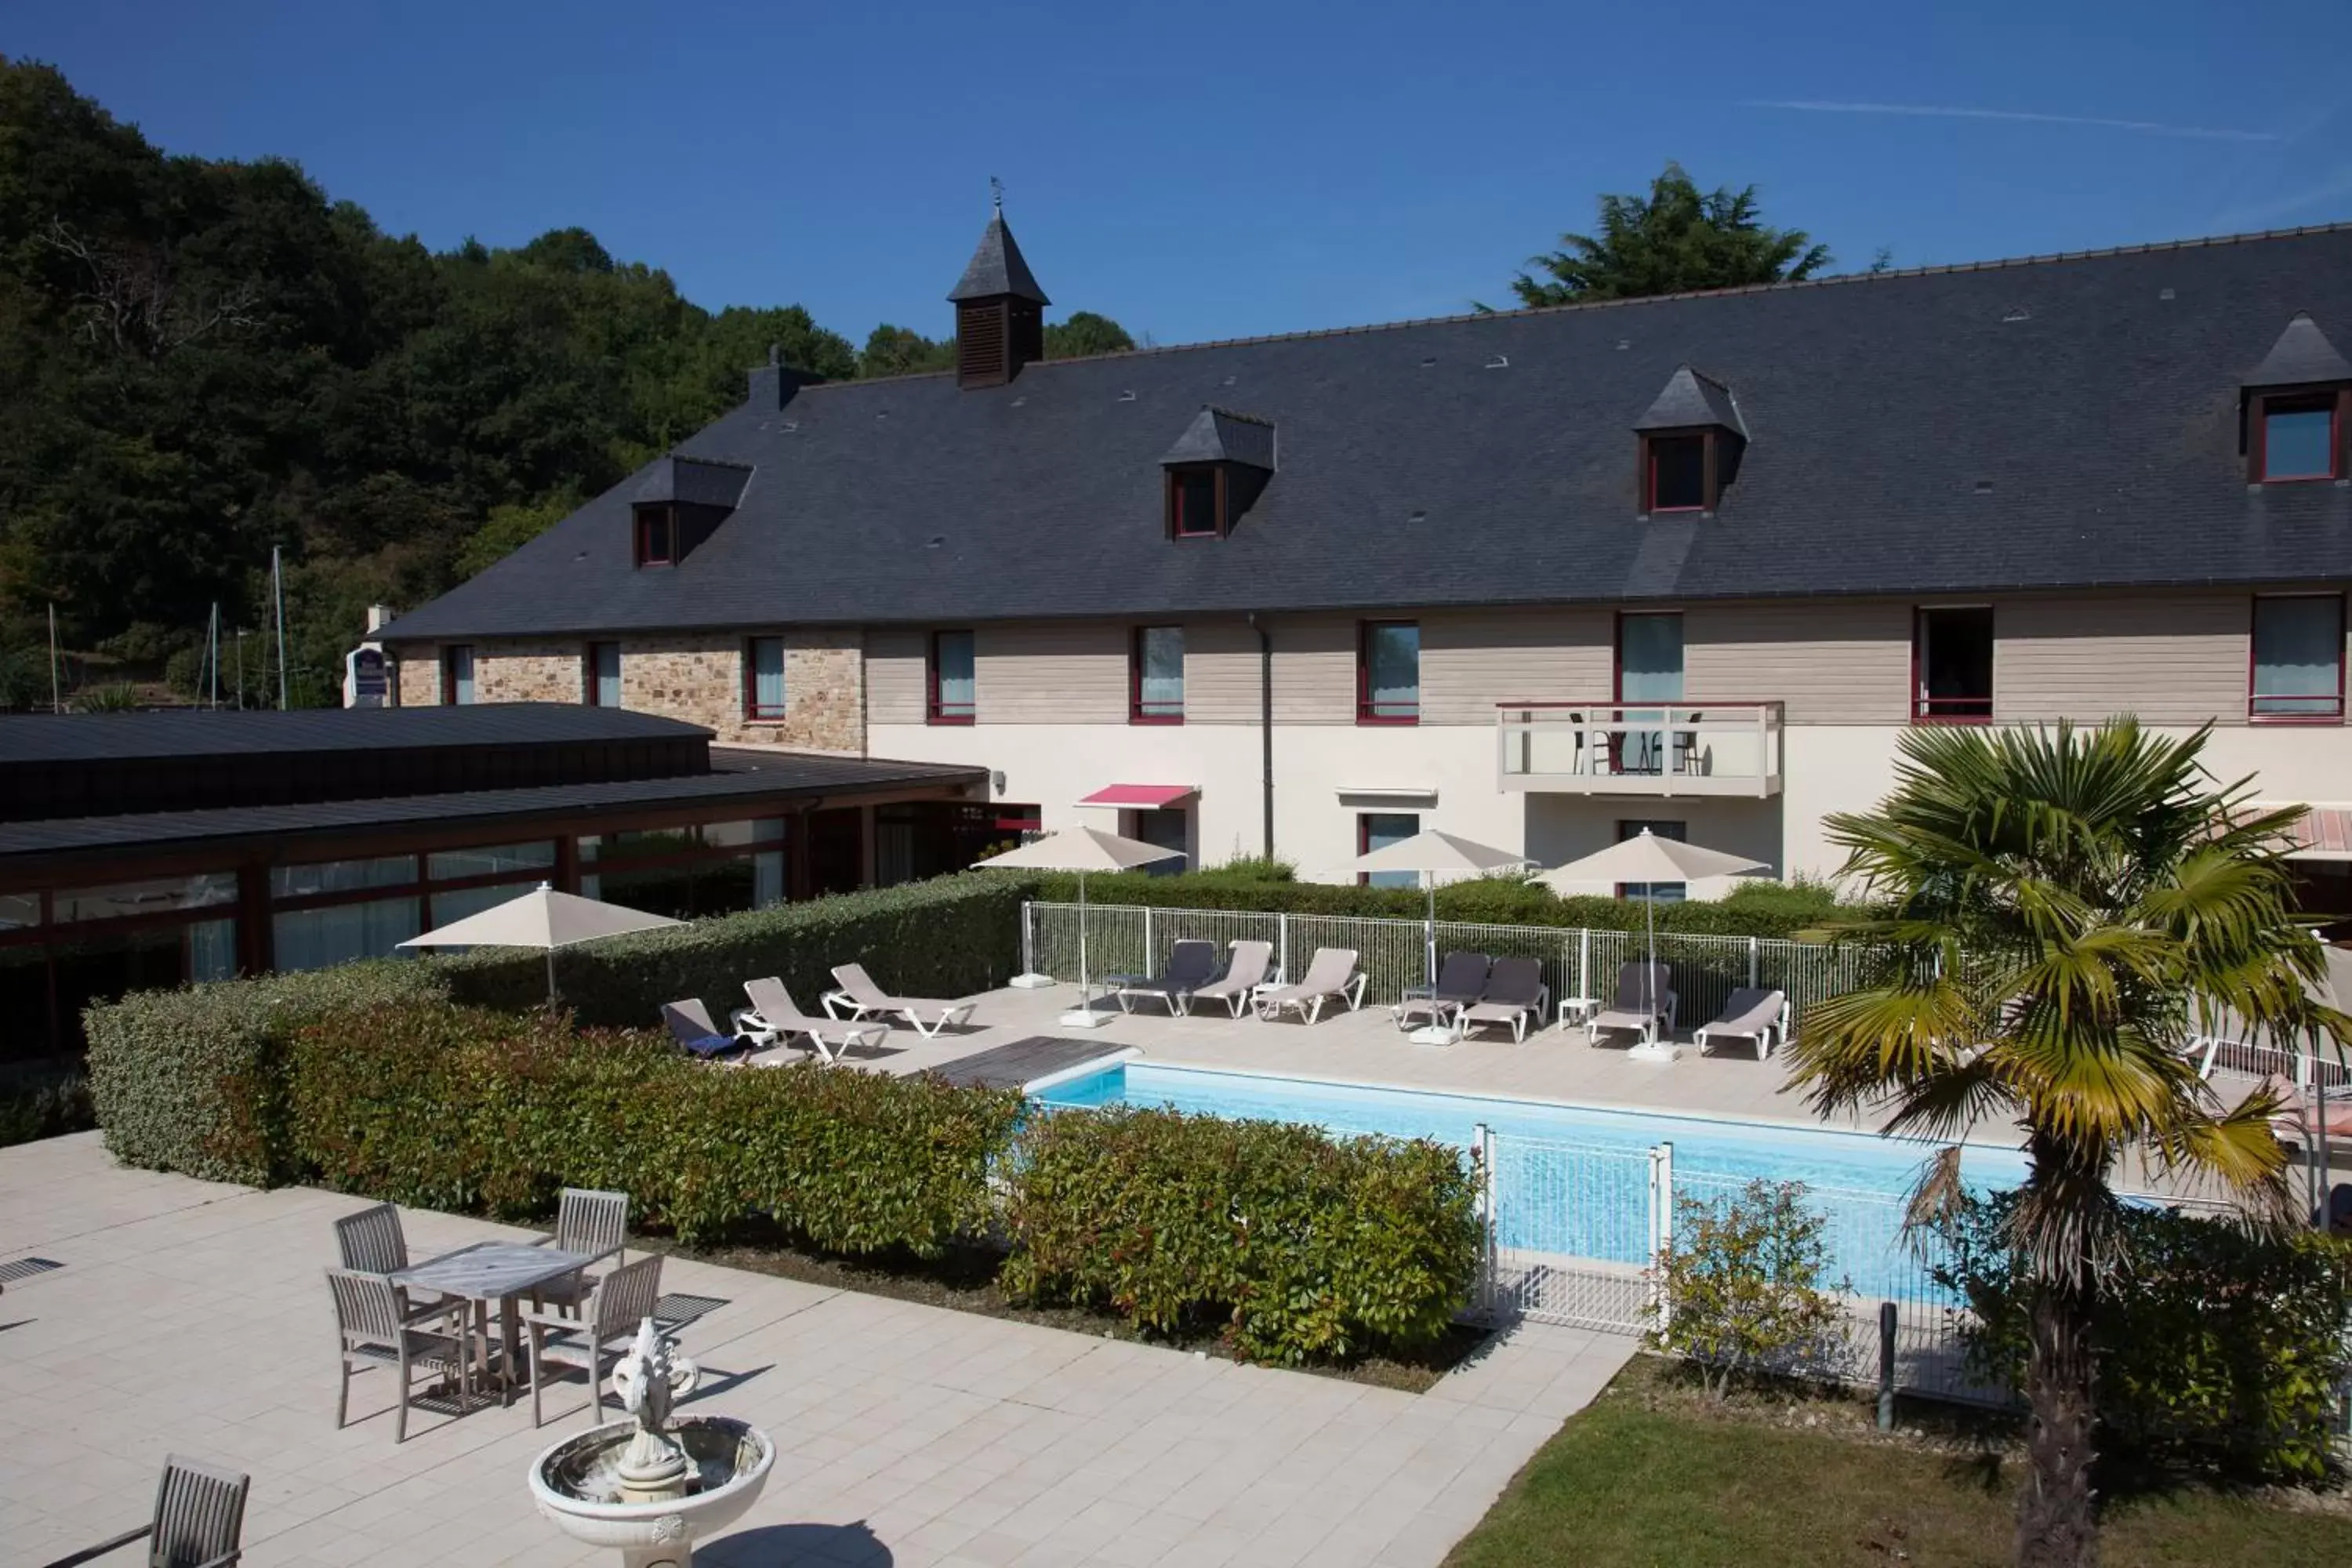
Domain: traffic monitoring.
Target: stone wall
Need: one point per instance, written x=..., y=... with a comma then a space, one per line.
x=698, y=678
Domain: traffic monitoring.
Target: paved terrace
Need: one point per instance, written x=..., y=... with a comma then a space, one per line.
x=191, y=1317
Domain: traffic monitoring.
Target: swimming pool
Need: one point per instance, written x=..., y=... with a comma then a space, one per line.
x=1572, y=1180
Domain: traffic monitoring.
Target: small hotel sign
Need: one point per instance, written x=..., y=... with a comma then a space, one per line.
x=367, y=678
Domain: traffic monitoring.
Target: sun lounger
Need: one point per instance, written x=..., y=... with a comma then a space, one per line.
x=864, y=999
x=1191, y=964
x=774, y=1013
x=1461, y=980
x=1331, y=973
x=1515, y=992
x=1639, y=1006
x=690, y=1025
x=1243, y=976
x=1748, y=1014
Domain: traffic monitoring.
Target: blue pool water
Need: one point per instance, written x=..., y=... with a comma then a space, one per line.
x=1573, y=1180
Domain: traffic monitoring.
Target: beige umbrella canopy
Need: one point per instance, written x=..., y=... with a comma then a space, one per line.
x=1432, y=855
x=1081, y=849
x=542, y=917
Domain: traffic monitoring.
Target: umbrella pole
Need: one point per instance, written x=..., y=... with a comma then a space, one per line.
x=550, y=973
x=1429, y=927
x=1083, y=1016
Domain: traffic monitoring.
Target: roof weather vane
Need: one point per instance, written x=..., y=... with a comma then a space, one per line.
x=996, y=194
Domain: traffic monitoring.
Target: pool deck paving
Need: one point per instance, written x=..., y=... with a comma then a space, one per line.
x=191, y=1317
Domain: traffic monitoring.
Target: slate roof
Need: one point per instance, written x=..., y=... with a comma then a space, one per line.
x=2301, y=354
x=1690, y=399
x=738, y=774
x=193, y=732
x=2067, y=422
x=997, y=268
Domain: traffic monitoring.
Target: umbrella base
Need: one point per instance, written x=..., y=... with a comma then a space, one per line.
x=1032, y=981
x=1654, y=1051
x=1434, y=1035
x=1084, y=1018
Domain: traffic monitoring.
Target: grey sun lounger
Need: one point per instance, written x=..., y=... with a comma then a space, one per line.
x=774, y=1012
x=1461, y=980
x=1515, y=992
x=1192, y=964
x=1750, y=1013
x=1243, y=974
x=1638, y=1004
x=864, y=999
x=1331, y=975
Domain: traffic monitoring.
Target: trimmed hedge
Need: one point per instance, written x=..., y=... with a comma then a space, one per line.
x=470, y=1110
x=1758, y=908
x=2218, y=1348
x=1305, y=1247
x=191, y=1079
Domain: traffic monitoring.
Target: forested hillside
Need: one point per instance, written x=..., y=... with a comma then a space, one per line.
x=202, y=359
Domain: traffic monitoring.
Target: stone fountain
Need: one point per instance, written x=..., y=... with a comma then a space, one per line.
x=649, y=1485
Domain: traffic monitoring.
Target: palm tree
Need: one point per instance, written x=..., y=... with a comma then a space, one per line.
x=2057, y=908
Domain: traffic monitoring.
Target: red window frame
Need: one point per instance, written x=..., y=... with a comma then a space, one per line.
x=1365, y=714
x=1649, y=445
x=2253, y=612
x=588, y=670
x=933, y=711
x=1215, y=473
x=1136, y=711
x=642, y=524
x=1923, y=709
x=753, y=711
x=2258, y=437
x=450, y=672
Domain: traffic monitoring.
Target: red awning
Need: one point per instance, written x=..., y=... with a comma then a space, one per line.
x=1146, y=796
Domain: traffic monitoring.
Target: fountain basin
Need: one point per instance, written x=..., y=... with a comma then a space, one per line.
x=576, y=1484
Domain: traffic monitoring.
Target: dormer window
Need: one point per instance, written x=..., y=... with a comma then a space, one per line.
x=656, y=536
x=1677, y=473
x=1691, y=439
x=1196, y=501
x=2298, y=402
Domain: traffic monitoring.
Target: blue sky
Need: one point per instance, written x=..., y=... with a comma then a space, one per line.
x=1202, y=171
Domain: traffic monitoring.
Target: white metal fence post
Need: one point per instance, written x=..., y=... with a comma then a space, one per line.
x=1662, y=1226
x=1584, y=963
x=1148, y=948
x=1752, y=947
x=1028, y=936
x=1282, y=946
x=1481, y=1156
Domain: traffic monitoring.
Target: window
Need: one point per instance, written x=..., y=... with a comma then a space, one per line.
x=950, y=677
x=1388, y=673
x=1156, y=676
x=604, y=674
x=2298, y=438
x=1951, y=665
x=457, y=674
x=2298, y=657
x=1168, y=828
x=656, y=529
x=492, y=861
x=1649, y=669
x=1378, y=830
x=1196, y=501
x=687, y=871
x=763, y=680
x=1656, y=892
x=1677, y=480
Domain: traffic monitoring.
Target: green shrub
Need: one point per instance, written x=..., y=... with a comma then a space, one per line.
x=474, y=1111
x=950, y=936
x=43, y=1100
x=1770, y=910
x=1741, y=1287
x=2218, y=1348
x=190, y=1080
x=1302, y=1246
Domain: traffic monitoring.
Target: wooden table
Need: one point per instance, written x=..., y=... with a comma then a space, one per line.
x=498, y=1271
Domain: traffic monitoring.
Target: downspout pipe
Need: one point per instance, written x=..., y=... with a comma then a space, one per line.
x=1266, y=723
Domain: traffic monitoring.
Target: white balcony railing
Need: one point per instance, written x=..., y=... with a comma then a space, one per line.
x=1655, y=749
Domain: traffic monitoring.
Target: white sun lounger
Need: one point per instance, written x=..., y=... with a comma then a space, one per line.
x=862, y=999
x=1331, y=973
x=774, y=1012
x=1243, y=975
x=1751, y=1014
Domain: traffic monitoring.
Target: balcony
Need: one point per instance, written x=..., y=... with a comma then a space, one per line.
x=1650, y=750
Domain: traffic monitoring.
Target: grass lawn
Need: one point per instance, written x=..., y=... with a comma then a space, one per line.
x=1648, y=1474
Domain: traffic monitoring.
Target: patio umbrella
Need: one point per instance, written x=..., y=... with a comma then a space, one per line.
x=1648, y=859
x=1081, y=849
x=1431, y=854
x=542, y=919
